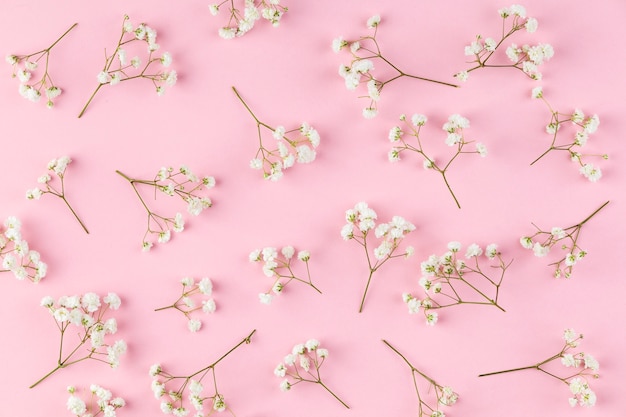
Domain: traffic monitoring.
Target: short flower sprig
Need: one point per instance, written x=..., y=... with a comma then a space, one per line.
x=585, y=366
x=85, y=314
x=526, y=58
x=455, y=139
x=361, y=221
x=117, y=67
x=303, y=365
x=365, y=51
x=279, y=267
x=182, y=183
x=16, y=256
x=187, y=302
x=29, y=88
x=585, y=125
x=56, y=167
x=100, y=402
x=180, y=399
x=287, y=146
x=240, y=23
x=450, y=279
x=542, y=241
x=444, y=395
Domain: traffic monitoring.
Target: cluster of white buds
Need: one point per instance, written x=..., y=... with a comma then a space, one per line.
x=101, y=401
x=16, y=255
x=240, y=23
x=187, y=302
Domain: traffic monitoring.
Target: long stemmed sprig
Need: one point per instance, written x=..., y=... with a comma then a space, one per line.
x=240, y=23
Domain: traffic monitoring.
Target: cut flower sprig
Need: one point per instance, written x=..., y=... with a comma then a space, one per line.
x=56, y=167
x=118, y=68
x=101, y=402
x=29, y=88
x=365, y=51
x=287, y=148
x=444, y=395
x=455, y=139
x=180, y=399
x=542, y=241
x=585, y=366
x=16, y=255
x=187, y=301
x=240, y=23
x=182, y=183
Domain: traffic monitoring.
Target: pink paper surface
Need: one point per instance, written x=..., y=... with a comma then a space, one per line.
x=289, y=75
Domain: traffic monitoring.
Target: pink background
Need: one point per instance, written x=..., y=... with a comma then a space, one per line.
x=289, y=75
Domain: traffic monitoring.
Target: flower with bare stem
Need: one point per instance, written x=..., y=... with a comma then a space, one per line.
x=24, y=67
x=444, y=395
x=187, y=302
x=566, y=238
x=585, y=366
x=240, y=23
x=16, y=256
x=180, y=394
x=101, y=402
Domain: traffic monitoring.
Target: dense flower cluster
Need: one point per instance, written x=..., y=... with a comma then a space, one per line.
x=279, y=267
x=240, y=23
x=525, y=58
x=16, y=255
x=182, y=183
x=101, y=402
x=187, y=303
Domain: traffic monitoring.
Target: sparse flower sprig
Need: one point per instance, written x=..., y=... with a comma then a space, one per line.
x=279, y=266
x=187, y=303
x=24, y=67
x=365, y=52
x=86, y=315
x=542, y=241
x=585, y=125
x=101, y=402
x=360, y=222
x=181, y=394
x=118, y=67
x=585, y=366
x=16, y=255
x=182, y=183
x=455, y=139
x=287, y=148
x=240, y=23
x=526, y=58
x=444, y=395
x=303, y=365
x=448, y=280
x=56, y=167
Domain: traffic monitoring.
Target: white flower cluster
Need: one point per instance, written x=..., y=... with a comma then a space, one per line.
x=102, y=401
x=525, y=58
x=241, y=23
x=278, y=265
x=187, y=303
x=588, y=367
x=455, y=278
x=16, y=255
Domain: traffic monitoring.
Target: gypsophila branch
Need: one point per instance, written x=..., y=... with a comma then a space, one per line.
x=117, y=68
x=365, y=52
x=279, y=267
x=166, y=388
x=187, y=302
x=444, y=395
x=101, y=402
x=182, y=183
x=16, y=256
x=526, y=58
x=303, y=365
x=29, y=88
x=287, y=146
x=542, y=241
x=583, y=363
x=240, y=23
x=360, y=221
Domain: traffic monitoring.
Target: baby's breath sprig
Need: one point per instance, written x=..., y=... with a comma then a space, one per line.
x=118, y=68
x=16, y=256
x=587, y=125
x=364, y=52
x=526, y=58
x=454, y=127
x=57, y=167
x=444, y=395
x=181, y=183
x=33, y=90
x=240, y=23
x=585, y=365
x=450, y=279
x=172, y=395
x=101, y=402
x=295, y=145
x=567, y=238
x=186, y=303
